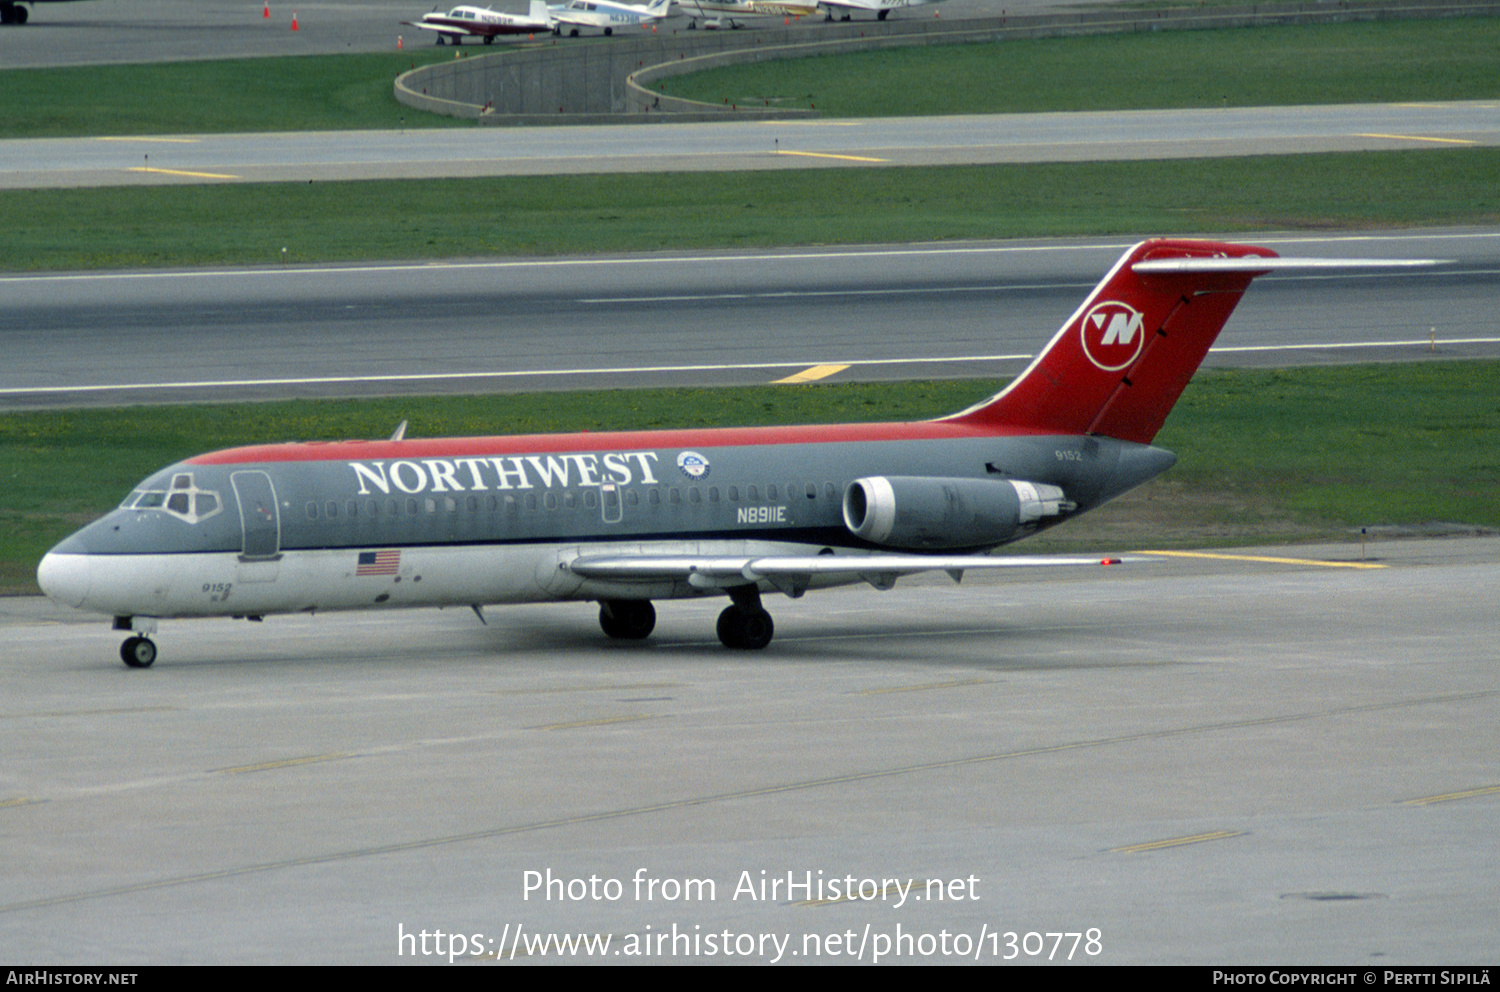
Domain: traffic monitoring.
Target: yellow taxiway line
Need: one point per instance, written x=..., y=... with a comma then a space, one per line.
x=1157, y=845
x=1448, y=797
x=1418, y=137
x=181, y=172
x=592, y=723
x=288, y=763
x=846, y=158
x=1267, y=558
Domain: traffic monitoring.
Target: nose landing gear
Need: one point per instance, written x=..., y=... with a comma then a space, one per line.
x=138, y=652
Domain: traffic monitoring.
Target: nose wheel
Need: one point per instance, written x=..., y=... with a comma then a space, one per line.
x=138, y=652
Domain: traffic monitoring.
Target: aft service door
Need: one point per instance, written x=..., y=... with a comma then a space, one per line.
x=259, y=519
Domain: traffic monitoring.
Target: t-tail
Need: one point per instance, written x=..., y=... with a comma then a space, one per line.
x=1121, y=361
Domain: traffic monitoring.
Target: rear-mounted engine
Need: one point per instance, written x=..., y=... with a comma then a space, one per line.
x=945, y=514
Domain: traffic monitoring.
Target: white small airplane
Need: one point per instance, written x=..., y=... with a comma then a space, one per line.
x=606, y=14
x=627, y=517
x=718, y=13
x=880, y=7
x=482, y=22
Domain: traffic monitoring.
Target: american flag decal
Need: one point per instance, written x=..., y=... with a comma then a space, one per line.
x=378, y=563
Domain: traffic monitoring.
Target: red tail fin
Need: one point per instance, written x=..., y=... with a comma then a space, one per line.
x=1120, y=363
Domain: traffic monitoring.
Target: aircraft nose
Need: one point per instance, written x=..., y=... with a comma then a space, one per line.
x=64, y=577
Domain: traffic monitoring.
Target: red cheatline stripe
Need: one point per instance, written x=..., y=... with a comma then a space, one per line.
x=316, y=451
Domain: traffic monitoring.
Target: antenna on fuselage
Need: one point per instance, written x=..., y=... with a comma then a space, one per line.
x=400, y=434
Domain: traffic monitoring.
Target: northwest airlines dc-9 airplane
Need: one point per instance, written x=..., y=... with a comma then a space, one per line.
x=630, y=517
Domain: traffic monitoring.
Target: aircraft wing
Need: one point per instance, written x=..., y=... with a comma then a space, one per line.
x=564, y=16
x=793, y=574
x=446, y=30
x=779, y=8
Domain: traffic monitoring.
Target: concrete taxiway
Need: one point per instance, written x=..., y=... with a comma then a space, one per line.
x=28, y=163
x=1270, y=755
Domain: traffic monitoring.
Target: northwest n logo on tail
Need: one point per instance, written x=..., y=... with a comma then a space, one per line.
x=1111, y=334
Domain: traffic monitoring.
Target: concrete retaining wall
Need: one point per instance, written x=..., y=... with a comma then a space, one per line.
x=579, y=81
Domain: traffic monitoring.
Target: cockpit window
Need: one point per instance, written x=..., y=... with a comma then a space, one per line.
x=184, y=500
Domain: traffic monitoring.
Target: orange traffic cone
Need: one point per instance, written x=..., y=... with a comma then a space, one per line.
x=294, y=21
x=266, y=14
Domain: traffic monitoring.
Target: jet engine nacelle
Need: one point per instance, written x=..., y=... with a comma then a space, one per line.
x=942, y=514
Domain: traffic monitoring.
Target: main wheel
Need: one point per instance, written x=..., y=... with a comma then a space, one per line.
x=627, y=619
x=138, y=652
x=746, y=629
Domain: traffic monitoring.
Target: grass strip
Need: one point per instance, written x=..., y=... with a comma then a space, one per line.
x=1455, y=59
x=295, y=93
x=1265, y=455
x=1450, y=59
x=546, y=215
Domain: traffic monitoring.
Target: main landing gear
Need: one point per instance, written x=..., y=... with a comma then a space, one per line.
x=627, y=619
x=744, y=624
x=138, y=652
x=750, y=630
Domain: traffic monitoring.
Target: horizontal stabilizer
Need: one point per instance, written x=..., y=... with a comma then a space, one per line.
x=1162, y=266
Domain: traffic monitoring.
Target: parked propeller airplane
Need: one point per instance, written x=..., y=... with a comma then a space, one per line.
x=606, y=14
x=481, y=22
x=629, y=517
x=880, y=8
x=718, y=13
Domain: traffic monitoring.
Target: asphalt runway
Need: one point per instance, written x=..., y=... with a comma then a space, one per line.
x=858, y=314
x=1279, y=755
